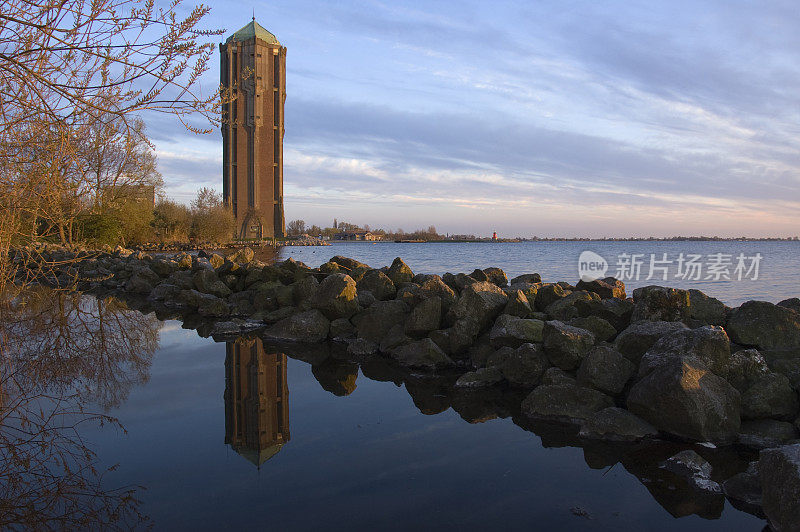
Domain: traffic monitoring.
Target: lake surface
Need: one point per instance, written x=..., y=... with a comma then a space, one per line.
x=245, y=435
x=558, y=261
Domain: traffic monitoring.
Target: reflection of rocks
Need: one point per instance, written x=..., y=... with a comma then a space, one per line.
x=256, y=400
x=336, y=376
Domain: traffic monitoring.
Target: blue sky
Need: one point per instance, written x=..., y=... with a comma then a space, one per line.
x=562, y=118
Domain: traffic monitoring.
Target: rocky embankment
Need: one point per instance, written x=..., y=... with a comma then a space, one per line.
x=664, y=364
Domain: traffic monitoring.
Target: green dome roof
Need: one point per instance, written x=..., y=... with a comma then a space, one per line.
x=253, y=30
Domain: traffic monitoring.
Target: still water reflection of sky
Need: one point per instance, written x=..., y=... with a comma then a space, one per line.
x=369, y=459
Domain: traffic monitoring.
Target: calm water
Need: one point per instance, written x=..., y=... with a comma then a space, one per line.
x=243, y=435
x=558, y=261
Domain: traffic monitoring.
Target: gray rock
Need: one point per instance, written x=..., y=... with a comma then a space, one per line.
x=163, y=267
x=744, y=490
x=694, y=468
x=565, y=308
x=682, y=397
x=138, y=284
x=640, y=336
x=279, y=314
x=214, y=307
x=242, y=256
x=399, y=272
x=605, y=369
x=600, y=328
x=303, y=291
x=557, y=376
x=547, y=294
x=341, y=328
x=707, y=310
x=208, y=282
x=524, y=366
x=765, y=433
x=480, y=303
x=771, y=396
x=347, y=263
x=566, y=346
x=708, y=344
x=336, y=297
x=424, y=318
x=496, y=276
x=310, y=326
x=435, y=287
x=616, y=424
x=365, y=298
x=779, y=473
x=764, y=326
x=605, y=288
x=395, y=337
x=480, y=378
x=192, y=298
x=746, y=367
x=518, y=304
x=564, y=401
x=409, y=293
x=615, y=311
x=791, y=303
x=527, y=278
x=462, y=335
x=789, y=367
x=659, y=303
x=379, y=284
x=423, y=354
x=376, y=321
x=512, y=331
x=361, y=347
x=216, y=260
x=530, y=290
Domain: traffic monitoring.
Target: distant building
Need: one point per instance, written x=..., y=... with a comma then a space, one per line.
x=256, y=400
x=253, y=67
x=357, y=235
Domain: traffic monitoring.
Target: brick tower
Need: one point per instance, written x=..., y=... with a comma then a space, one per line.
x=253, y=67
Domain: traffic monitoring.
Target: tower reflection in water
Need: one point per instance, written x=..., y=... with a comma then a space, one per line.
x=256, y=400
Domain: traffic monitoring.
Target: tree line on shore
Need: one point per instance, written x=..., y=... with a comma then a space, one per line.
x=299, y=227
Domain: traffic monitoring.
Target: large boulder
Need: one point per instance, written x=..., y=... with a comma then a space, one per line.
x=435, y=287
x=399, y=272
x=336, y=296
x=600, y=328
x=706, y=310
x=708, y=344
x=791, y=303
x=480, y=303
x=771, y=396
x=640, y=336
x=378, y=283
x=213, y=307
x=605, y=288
x=746, y=367
x=375, y=322
x=139, y=284
x=564, y=401
x=512, y=331
x=659, y=303
x=242, y=256
x=565, y=345
x=566, y=308
x=348, y=263
x=605, y=369
x=310, y=326
x=526, y=278
x=518, y=304
x=765, y=433
x=616, y=424
x=496, y=276
x=681, y=396
x=524, y=366
x=423, y=354
x=779, y=472
x=764, y=326
x=615, y=311
x=424, y=318
x=207, y=282
x=480, y=378
x=547, y=294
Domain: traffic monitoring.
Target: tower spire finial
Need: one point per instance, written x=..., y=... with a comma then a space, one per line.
x=254, y=14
